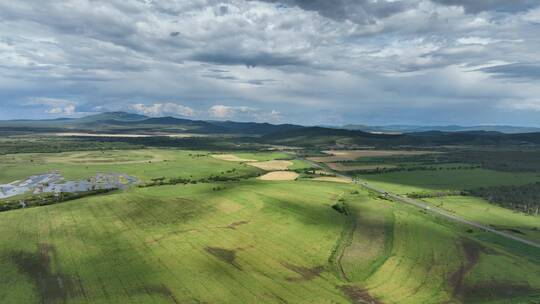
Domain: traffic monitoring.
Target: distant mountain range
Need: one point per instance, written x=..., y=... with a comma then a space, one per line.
x=122, y=122
x=283, y=134
x=450, y=128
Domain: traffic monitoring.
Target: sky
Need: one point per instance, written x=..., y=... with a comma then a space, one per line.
x=377, y=62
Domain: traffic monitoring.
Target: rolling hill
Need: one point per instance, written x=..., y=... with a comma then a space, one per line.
x=288, y=134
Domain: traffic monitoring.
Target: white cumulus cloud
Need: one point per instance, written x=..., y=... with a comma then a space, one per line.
x=243, y=113
x=163, y=109
x=55, y=106
x=222, y=111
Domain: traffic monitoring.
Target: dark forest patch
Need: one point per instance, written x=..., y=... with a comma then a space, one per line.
x=305, y=273
x=51, y=287
x=521, y=198
x=359, y=295
x=225, y=255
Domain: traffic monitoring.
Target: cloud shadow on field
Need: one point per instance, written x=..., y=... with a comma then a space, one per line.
x=51, y=286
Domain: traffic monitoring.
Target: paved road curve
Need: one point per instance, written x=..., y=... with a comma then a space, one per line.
x=428, y=208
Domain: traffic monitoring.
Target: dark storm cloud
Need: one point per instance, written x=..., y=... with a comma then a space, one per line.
x=225, y=75
x=220, y=77
x=358, y=11
x=476, y=6
x=261, y=59
x=342, y=58
x=515, y=70
x=259, y=82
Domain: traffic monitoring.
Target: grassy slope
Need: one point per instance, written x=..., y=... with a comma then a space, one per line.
x=372, y=238
x=421, y=181
x=253, y=242
x=481, y=211
x=266, y=156
x=145, y=244
x=424, y=260
x=300, y=164
x=262, y=156
x=144, y=164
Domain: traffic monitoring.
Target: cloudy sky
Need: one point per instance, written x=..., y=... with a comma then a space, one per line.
x=432, y=62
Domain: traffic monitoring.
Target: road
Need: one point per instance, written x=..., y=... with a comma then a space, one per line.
x=427, y=207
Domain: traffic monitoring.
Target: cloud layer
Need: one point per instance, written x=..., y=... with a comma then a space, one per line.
x=311, y=62
x=163, y=109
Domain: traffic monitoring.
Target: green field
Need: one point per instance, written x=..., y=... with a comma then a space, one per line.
x=243, y=243
x=144, y=164
x=404, y=182
x=247, y=241
x=262, y=156
x=481, y=211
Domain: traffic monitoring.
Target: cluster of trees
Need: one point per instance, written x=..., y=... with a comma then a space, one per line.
x=502, y=160
x=311, y=172
x=513, y=160
x=413, y=168
x=47, y=199
x=197, y=155
x=162, y=181
x=435, y=194
x=56, y=145
x=521, y=198
x=188, y=143
x=341, y=207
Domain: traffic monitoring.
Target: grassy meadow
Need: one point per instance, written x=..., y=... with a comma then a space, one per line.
x=481, y=211
x=144, y=164
x=247, y=241
x=404, y=182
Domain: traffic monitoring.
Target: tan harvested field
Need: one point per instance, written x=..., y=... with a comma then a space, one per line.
x=344, y=168
x=273, y=165
x=121, y=135
x=333, y=179
x=342, y=155
x=101, y=135
x=279, y=176
x=234, y=158
x=109, y=157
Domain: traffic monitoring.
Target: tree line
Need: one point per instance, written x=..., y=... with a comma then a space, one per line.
x=47, y=199
x=524, y=198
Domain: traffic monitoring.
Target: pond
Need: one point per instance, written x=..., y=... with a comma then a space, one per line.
x=54, y=183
